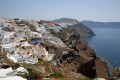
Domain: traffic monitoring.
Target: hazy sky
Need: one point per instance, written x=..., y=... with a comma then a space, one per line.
x=95, y=10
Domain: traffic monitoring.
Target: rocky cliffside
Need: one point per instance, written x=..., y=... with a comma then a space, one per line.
x=116, y=73
x=66, y=20
x=81, y=58
x=74, y=24
x=82, y=29
x=92, y=66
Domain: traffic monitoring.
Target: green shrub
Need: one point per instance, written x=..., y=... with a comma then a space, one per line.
x=15, y=66
x=55, y=74
x=44, y=63
x=32, y=74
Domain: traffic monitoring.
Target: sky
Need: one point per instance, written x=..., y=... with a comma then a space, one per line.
x=95, y=10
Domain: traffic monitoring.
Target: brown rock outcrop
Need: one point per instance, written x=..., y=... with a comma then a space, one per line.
x=101, y=69
x=94, y=66
x=116, y=73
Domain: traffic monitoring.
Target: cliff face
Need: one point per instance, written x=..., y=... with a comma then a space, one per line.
x=82, y=29
x=101, y=69
x=94, y=66
x=79, y=57
x=74, y=24
x=116, y=73
x=66, y=20
x=83, y=59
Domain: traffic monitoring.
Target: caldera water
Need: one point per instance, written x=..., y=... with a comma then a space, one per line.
x=106, y=44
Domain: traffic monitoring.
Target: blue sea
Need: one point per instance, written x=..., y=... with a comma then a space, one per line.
x=106, y=44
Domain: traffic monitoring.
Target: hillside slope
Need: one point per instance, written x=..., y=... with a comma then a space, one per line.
x=75, y=25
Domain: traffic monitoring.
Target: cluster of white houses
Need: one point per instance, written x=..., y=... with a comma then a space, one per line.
x=10, y=74
x=20, y=40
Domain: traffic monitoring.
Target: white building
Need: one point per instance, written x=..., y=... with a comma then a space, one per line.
x=8, y=37
x=7, y=47
x=35, y=35
x=10, y=74
x=21, y=30
x=25, y=44
x=41, y=52
x=4, y=22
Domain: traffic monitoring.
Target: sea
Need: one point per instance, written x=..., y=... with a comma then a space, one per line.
x=106, y=44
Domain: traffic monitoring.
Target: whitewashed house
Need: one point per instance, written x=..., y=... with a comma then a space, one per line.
x=56, y=28
x=53, y=41
x=35, y=35
x=7, y=47
x=25, y=44
x=10, y=74
x=41, y=52
x=8, y=37
x=20, y=29
x=20, y=38
x=38, y=27
x=4, y=22
x=42, y=29
x=27, y=30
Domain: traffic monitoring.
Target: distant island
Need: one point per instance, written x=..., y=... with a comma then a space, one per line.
x=93, y=24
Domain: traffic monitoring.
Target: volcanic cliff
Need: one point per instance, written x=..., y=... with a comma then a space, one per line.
x=82, y=58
